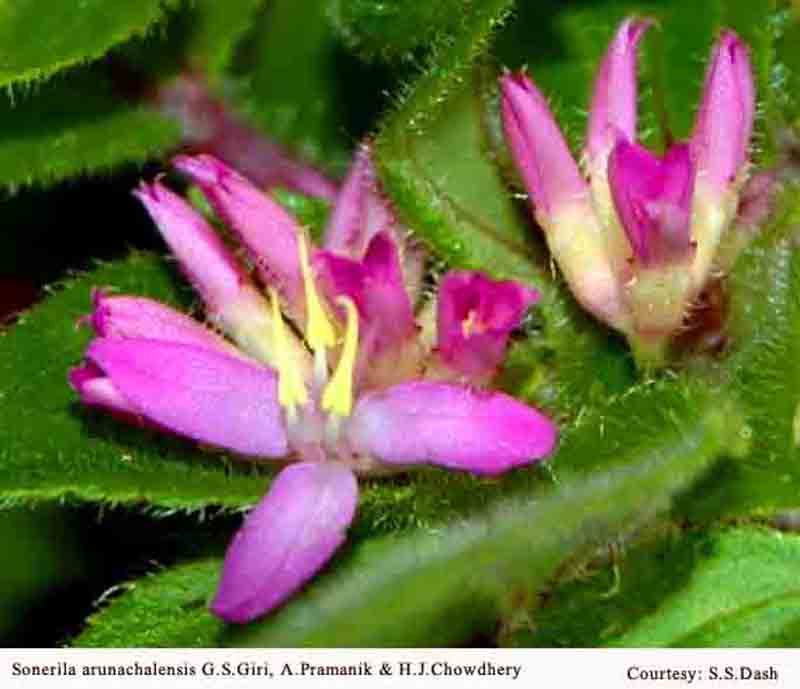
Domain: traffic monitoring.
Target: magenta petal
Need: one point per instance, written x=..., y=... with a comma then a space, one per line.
x=98, y=391
x=475, y=318
x=137, y=317
x=376, y=287
x=360, y=211
x=548, y=169
x=196, y=392
x=725, y=118
x=268, y=231
x=201, y=253
x=449, y=425
x=613, y=108
x=211, y=127
x=653, y=199
x=286, y=539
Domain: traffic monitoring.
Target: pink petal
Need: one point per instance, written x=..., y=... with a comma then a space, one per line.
x=613, y=109
x=196, y=392
x=209, y=126
x=286, y=539
x=725, y=119
x=475, y=316
x=548, y=169
x=137, y=317
x=98, y=391
x=201, y=253
x=653, y=199
x=449, y=425
x=268, y=231
x=376, y=287
x=360, y=211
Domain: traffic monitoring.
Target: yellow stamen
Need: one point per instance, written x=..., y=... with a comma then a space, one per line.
x=320, y=332
x=471, y=325
x=291, y=388
x=338, y=395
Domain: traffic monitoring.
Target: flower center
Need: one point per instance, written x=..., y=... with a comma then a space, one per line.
x=320, y=333
x=472, y=324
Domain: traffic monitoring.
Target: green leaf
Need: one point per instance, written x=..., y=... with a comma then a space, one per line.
x=442, y=587
x=743, y=591
x=40, y=40
x=301, y=88
x=52, y=448
x=764, y=371
x=165, y=609
x=785, y=75
x=431, y=155
x=732, y=588
x=394, y=29
x=212, y=30
x=202, y=35
x=75, y=125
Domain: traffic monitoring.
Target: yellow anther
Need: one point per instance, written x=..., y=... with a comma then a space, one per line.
x=291, y=386
x=338, y=395
x=471, y=325
x=320, y=332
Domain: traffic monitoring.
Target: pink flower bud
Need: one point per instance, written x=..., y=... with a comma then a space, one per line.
x=720, y=147
x=725, y=119
x=613, y=109
x=548, y=169
x=360, y=211
x=231, y=300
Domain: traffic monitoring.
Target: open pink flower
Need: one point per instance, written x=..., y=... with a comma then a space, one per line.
x=636, y=240
x=316, y=400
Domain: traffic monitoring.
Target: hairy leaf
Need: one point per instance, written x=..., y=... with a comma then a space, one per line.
x=394, y=29
x=51, y=447
x=729, y=588
x=301, y=88
x=200, y=35
x=743, y=591
x=74, y=125
x=763, y=368
x=164, y=609
x=38, y=40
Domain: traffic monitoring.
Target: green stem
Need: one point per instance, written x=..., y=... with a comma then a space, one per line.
x=649, y=352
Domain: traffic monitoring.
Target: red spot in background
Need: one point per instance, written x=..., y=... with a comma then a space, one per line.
x=16, y=294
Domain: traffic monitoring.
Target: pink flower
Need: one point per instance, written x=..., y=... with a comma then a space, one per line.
x=636, y=241
x=346, y=398
x=475, y=317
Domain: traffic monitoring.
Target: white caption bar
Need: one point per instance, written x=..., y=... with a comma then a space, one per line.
x=384, y=669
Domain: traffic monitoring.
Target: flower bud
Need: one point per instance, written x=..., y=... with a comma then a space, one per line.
x=720, y=147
